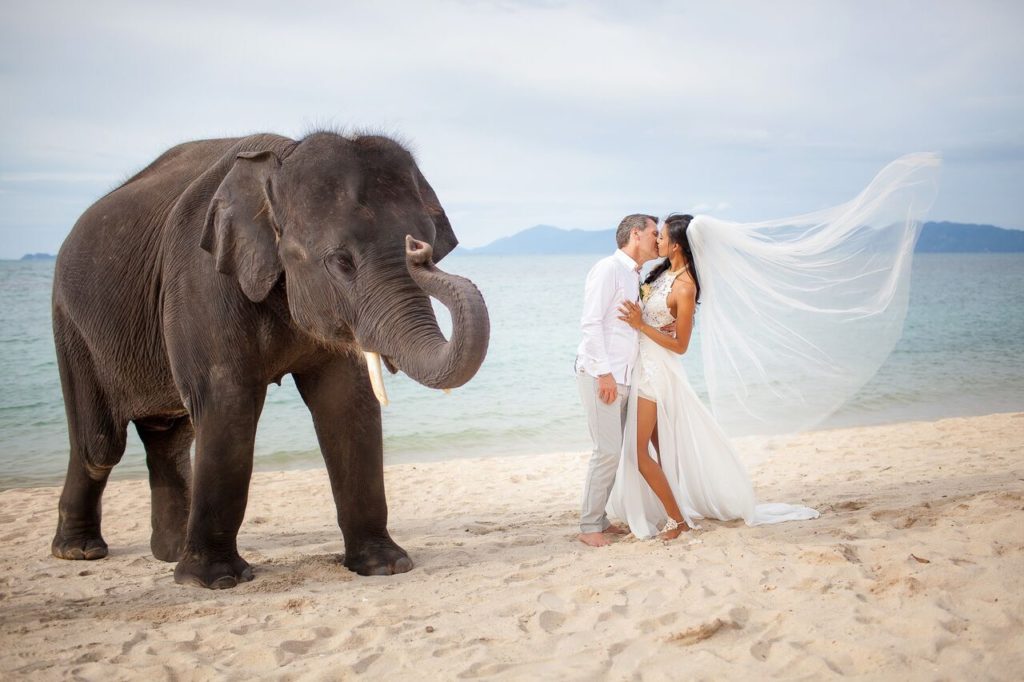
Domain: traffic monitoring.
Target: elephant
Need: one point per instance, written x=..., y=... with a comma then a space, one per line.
x=219, y=268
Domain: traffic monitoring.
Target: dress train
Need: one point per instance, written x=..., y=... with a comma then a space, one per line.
x=702, y=467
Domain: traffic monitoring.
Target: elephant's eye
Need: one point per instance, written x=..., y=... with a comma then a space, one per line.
x=340, y=263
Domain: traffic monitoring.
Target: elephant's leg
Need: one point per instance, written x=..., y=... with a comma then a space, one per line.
x=225, y=427
x=347, y=419
x=97, y=440
x=167, y=442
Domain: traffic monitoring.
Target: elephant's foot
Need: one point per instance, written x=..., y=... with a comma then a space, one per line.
x=167, y=546
x=377, y=557
x=215, y=575
x=170, y=523
x=82, y=547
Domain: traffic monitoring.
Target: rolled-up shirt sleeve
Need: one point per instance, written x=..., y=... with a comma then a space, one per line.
x=597, y=299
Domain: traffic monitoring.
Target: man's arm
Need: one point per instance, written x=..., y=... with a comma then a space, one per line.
x=597, y=299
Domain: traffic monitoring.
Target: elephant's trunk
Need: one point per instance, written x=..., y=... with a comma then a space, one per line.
x=408, y=334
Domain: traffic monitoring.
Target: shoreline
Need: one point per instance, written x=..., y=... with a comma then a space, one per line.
x=307, y=460
x=915, y=569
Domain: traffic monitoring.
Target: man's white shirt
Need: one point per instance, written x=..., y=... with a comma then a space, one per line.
x=609, y=345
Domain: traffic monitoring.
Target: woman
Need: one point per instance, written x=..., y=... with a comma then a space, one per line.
x=796, y=315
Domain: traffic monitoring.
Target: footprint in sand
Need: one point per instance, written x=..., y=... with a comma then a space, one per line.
x=761, y=649
x=130, y=644
x=901, y=519
x=360, y=666
x=288, y=649
x=296, y=646
x=550, y=621
x=553, y=615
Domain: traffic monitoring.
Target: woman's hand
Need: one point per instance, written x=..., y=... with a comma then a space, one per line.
x=631, y=314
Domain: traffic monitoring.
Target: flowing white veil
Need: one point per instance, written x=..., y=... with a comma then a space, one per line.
x=797, y=314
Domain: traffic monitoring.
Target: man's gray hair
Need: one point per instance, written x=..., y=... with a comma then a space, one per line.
x=635, y=221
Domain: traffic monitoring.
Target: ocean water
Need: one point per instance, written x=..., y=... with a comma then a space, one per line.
x=962, y=353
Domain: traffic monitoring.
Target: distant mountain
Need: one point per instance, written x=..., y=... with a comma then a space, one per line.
x=936, y=237
x=548, y=240
x=941, y=237
x=967, y=238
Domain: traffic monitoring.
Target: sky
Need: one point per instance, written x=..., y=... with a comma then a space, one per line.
x=569, y=113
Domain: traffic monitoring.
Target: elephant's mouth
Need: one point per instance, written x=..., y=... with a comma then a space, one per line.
x=373, y=364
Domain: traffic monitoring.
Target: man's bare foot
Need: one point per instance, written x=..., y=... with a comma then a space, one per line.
x=616, y=529
x=594, y=539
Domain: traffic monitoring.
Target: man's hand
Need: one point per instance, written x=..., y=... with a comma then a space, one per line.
x=607, y=390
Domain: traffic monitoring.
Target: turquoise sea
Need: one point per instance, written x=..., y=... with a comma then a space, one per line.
x=962, y=353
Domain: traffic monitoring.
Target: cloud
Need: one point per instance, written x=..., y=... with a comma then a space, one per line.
x=566, y=113
x=55, y=177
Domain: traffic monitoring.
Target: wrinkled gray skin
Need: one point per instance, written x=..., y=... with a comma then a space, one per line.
x=222, y=266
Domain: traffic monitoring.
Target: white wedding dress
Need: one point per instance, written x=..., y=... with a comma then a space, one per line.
x=797, y=314
x=703, y=469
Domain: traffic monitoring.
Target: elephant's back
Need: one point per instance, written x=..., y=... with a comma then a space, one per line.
x=115, y=235
x=138, y=207
x=107, y=278
x=109, y=262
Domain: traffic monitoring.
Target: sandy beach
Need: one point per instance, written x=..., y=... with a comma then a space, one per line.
x=915, y=571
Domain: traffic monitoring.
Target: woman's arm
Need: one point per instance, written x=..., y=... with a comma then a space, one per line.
x=683, y=299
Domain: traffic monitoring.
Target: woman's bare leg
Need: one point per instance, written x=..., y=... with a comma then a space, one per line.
x=654, y=440
x=646, y=423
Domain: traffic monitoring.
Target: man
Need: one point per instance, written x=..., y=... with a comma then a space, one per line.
x=604, y=364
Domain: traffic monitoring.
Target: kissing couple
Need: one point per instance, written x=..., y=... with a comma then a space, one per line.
x=795, y=316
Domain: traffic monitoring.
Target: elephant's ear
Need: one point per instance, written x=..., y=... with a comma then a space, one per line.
x=444, y=236
x=240, y=230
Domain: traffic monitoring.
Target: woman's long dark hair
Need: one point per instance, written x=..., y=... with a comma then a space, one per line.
x=677, y=223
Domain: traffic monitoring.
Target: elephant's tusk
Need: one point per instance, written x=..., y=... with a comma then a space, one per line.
x=376, y=376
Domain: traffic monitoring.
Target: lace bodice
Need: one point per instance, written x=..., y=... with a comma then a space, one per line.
x=655, y=308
